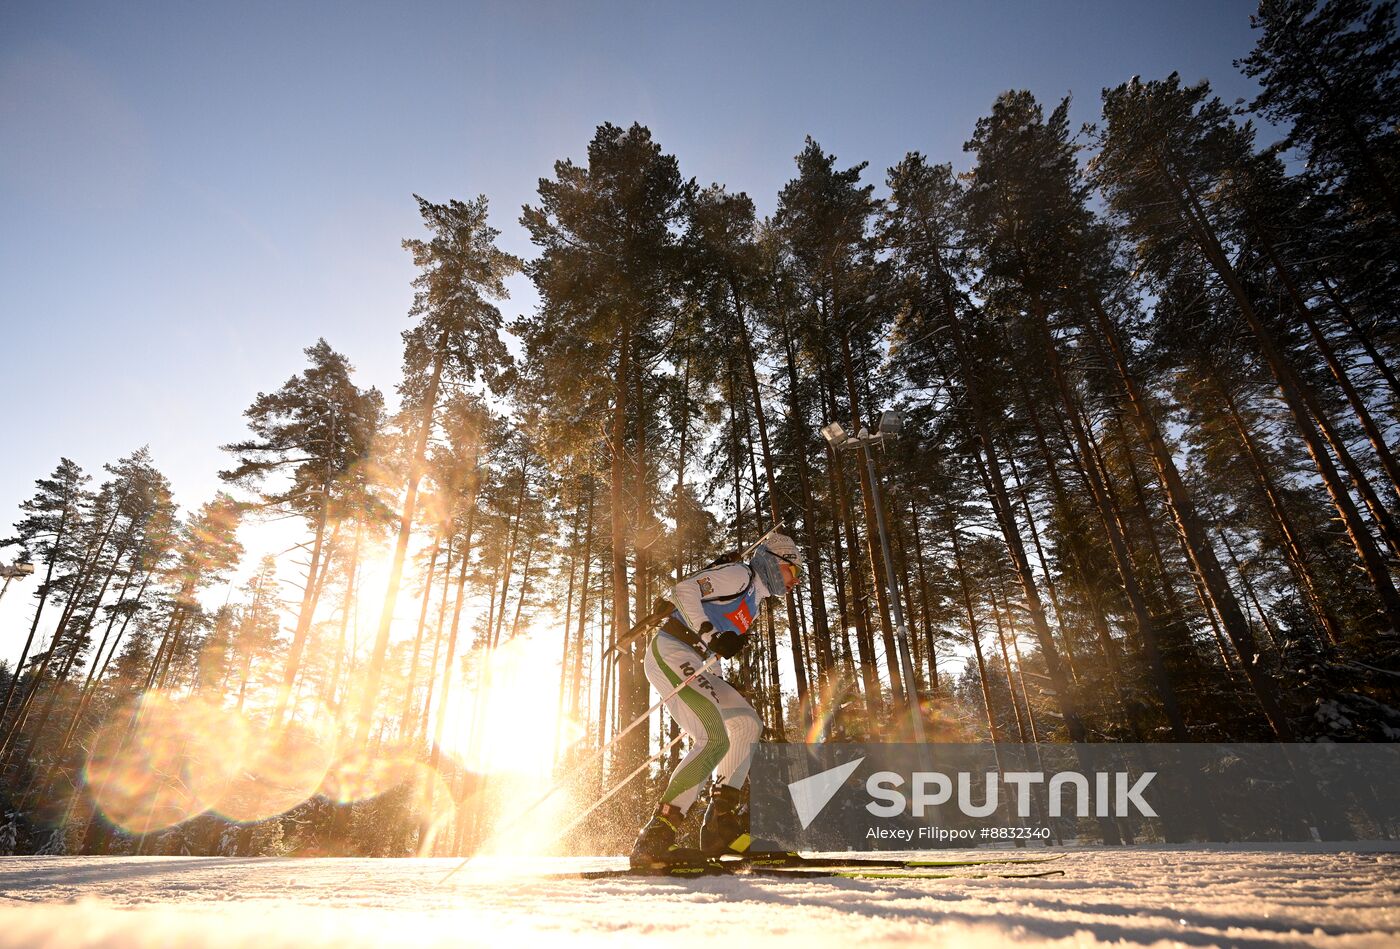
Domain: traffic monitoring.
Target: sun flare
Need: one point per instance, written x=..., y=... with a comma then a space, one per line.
x=520, y=725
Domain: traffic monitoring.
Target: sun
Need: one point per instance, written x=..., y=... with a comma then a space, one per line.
x=521, y=726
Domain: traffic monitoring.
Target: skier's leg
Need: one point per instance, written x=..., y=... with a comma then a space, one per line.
x=743, y=727
x=695, y=708
x=725, y=827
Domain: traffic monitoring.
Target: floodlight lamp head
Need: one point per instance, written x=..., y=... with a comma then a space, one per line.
x=890, y=422
x=834, y=434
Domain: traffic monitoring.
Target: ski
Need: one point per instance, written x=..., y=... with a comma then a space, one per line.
x=684, y=871
x=836, y=870
x=990, y=861
x=791, y=864
x=871, y=873
x=797, y=860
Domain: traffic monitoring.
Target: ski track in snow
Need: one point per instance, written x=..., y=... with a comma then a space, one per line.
x=1138, y=897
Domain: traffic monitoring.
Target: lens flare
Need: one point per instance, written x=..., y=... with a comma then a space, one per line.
x=522, y=724
x=832, y=695
x=362, y=774
x=280, y=769
x=142, y=765
x=168, y=759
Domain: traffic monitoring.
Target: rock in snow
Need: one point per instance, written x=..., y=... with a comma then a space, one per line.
x=1138, y=897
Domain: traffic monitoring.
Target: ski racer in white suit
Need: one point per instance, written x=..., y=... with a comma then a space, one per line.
x=714, y=612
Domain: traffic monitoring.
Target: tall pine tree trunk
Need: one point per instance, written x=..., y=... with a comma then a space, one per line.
x=1060, y=497
x=1292, y=545
x=797, y=421
x=75, y=597
x=1339, y=374
x=1122, y=557
x=760, y=420
x=930, y=644
x=379, y=652
x=1378, y=361
x=575, y=687
x=309, y=597
x=626, y=659
x=1050, y=589
x=60, y=535
x=411, y=682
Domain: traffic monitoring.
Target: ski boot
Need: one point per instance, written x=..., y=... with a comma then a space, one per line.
x=656, y=846
x=726, y=825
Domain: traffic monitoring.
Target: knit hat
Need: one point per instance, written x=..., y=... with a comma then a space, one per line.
x=768, y=558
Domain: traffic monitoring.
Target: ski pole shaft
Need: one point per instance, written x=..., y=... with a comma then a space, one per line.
x=758, y=543
x=611, y=793
x=705, y=667
x=617, y=787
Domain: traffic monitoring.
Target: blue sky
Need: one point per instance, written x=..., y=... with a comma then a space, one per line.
x=192, y=193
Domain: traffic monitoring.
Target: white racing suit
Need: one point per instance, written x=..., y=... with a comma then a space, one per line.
x=722, y=726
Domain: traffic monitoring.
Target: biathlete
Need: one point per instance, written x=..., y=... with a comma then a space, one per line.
x=714, y=610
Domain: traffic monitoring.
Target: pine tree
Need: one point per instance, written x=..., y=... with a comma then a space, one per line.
x=1330, y=73
x=728, y=262
x=46, y=535
x=608, y=275
x=456, y=341
x=312, y=438
x=111, y=534
x=1166, y=151
x=823, y=220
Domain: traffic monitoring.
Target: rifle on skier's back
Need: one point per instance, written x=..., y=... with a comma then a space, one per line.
x=663, y=608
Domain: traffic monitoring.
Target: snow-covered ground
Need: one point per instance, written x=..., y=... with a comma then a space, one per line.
x=1132, y=897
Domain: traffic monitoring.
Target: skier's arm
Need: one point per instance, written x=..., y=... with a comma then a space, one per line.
x=686, y=595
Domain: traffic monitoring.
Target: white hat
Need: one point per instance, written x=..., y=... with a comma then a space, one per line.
x=783, y=547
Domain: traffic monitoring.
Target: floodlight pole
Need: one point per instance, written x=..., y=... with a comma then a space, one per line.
x=901, y=632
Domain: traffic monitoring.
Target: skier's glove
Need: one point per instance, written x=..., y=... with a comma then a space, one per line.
x=727, y=643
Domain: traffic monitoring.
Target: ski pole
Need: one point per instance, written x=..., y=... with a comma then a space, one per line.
x=598, y=755
x=660, y=610
x=617, y=787
x=759, y=543
x=611, y=793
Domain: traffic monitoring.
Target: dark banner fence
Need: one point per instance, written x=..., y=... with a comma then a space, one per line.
x=921, y=797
